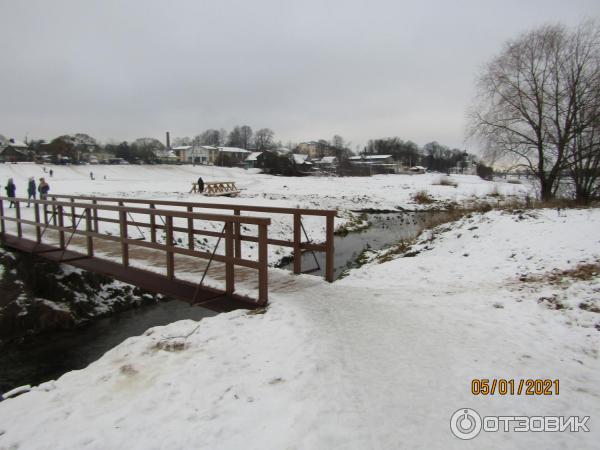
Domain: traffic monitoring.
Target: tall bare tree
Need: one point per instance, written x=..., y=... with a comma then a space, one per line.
x=530, y=99
x=245, y=136
x=263, y=139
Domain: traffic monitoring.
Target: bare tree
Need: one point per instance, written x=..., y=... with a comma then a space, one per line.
x=178, y=141
x=338, y=141
x=584, y=167
x=263, y=139
x=208, y=137
x=234, y=139
x=245, y=136
x=527, y=104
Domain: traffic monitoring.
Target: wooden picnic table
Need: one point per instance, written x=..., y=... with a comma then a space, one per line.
x=217, y=188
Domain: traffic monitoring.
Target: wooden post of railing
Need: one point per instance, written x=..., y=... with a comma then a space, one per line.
x=123, y=236
x=2, y=225
x=54, y=212
x=152, y=225
x=238, y=236
x=329, y=250
x=73, y=221
x=45, y=211
x=229, y=267
x=38, y=228
x=18, y=212
x=61, y=224
x=297, y=242
x=190, y=229
x=263, y=265
x=95, y=202
x=89, y=229
x=169, y=243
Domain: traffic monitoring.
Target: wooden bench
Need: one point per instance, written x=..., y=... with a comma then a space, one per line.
x=217, y=188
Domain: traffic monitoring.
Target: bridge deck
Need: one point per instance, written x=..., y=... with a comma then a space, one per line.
x=206, y=297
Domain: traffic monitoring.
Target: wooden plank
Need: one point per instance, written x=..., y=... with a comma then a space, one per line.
x=238, y=236
x=89, y=229
x=2, y=224
x=18, y=214
x=190, y=229
x=169, y=249
x=162, y=212
x=247, y=208
x=123, y=237
x=229, y=267
x=38, y=229
x=297, y=241
x=263, y=270
x=73, y=215
x=152, y=224
x=96, y=221
x=61, y=224
x=329, y=252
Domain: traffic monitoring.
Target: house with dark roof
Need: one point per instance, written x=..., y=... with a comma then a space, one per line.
x=15, y=151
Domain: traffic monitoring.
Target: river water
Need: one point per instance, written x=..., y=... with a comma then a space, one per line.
x=46, y=357
x=384, y=230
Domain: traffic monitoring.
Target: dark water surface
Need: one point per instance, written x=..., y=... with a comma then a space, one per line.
x=385, y=230
x=46, y=357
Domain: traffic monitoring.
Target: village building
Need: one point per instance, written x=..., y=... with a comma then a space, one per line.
x=15, y=151
x=316, y=149
x=326, y=164
x=302, y=162
x=183, y=153
x=252, y=161
x=376, y=163
x=230, y=156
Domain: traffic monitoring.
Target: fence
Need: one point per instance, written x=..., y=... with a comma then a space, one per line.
x=50, y=214
x=295, y=242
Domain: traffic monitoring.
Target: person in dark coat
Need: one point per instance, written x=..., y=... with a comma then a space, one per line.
x=10, y=191
x=31, y=190
x=43, y=188
x=200, y=184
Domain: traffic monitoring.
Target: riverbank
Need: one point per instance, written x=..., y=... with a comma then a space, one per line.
x=41, y=296
x=380, y=359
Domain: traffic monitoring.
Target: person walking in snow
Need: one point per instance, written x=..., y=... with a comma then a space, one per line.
x=10, y=191
x=51, y=173
x=30, y=190
x=200, y=184
x=91, y=175
x=43, y=189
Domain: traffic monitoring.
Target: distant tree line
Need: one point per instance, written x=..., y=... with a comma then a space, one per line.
x=433, y=156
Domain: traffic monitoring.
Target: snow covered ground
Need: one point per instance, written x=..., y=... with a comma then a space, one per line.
x=380, y=359
x=172, y=182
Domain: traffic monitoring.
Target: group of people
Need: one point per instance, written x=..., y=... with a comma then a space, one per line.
x=43, y=188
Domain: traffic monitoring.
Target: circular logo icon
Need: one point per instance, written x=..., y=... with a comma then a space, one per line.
x=465, y=423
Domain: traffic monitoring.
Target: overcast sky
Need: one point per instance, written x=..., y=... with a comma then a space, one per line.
x=119, y=69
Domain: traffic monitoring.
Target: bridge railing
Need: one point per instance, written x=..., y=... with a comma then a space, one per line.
x=52, y=214
x=296, y=214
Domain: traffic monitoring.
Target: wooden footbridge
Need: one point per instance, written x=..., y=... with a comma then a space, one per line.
x=148, y=242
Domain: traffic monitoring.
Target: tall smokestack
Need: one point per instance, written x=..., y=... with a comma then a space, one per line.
x=168, y=141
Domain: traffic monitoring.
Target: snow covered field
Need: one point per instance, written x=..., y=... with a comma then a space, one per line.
x=171, y=182
x=380, y=359
x=174, y=182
